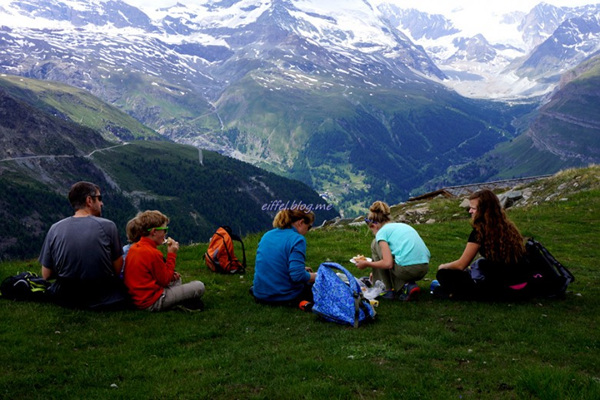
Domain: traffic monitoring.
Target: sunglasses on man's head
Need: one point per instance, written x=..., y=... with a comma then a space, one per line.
x=97, y=196
x=370, y=221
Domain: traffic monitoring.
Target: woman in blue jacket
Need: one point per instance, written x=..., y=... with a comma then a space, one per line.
x=280, y=275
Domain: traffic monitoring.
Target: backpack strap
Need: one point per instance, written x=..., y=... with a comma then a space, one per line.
x=559, y=269
x=356, y=308
x=216, y=262
x=239, y=239
x=359, y=304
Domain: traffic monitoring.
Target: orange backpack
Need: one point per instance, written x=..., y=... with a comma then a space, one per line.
x=220, y=256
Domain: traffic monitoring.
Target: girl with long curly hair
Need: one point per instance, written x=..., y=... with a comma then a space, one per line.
x=502, y=250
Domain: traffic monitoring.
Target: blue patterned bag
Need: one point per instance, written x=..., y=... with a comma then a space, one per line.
x=339, y=301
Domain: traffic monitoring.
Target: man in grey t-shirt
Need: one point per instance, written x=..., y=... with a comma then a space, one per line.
x=84, y=254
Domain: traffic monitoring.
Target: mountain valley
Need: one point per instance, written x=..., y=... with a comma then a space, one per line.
x=360, y=100
x=44, y=152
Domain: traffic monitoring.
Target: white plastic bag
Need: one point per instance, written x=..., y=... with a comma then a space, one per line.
x=375, y=291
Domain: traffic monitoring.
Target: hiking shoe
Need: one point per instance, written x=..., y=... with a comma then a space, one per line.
x=388, y=294
x=191, y=305
x=306, y=305
x=411, y=292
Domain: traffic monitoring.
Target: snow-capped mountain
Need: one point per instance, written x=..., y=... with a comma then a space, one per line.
x=505, y=66
x=191, y=54
x=310, y=88
x=189, y=41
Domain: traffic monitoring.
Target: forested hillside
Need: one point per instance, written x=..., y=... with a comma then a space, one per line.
x=43, y=152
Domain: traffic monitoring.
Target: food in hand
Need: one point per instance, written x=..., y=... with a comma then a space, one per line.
x=359, y=257
x=169, y=241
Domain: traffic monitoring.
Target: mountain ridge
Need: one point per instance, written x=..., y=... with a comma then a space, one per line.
x=216, y=76
x=563, y=133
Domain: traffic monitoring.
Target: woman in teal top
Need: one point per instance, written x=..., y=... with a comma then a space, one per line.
x=400, y=257
x=280, y=275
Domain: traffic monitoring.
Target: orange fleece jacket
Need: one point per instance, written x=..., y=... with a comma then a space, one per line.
x=147, y=273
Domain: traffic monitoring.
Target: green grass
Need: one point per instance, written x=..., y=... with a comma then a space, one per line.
x=80, y=106
x=431, y=349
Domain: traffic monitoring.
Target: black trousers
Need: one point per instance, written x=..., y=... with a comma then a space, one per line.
x=460, y=285
x=457, y=284
x=99, y=294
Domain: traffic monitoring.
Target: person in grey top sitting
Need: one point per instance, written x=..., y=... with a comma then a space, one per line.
x=84, y=254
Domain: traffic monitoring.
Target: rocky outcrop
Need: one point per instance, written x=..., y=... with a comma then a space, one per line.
x=523, y=193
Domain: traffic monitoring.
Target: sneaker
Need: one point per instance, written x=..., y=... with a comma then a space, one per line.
x=411, y=293
x=306, y=305
x=434, y=285
x=388, y=294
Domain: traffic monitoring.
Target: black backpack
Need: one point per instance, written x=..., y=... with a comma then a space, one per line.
x=548, y=277
x=24, y=286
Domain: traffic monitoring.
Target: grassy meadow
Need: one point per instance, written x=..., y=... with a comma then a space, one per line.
x=236, y=349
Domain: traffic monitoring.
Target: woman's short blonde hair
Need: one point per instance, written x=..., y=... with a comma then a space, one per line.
x=285, y=218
